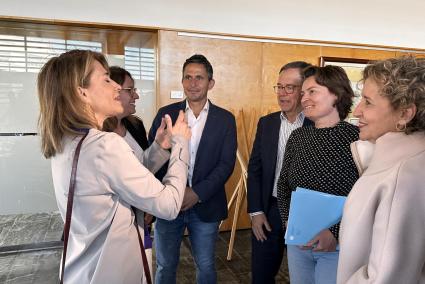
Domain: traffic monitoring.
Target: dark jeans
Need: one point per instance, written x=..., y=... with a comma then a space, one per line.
x=168, y=238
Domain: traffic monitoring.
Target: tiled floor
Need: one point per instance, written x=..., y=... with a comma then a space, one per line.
x=43, y=266
x=30, y=228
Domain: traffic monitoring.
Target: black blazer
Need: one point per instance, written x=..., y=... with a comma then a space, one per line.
x=262, y=163
x=214, y=161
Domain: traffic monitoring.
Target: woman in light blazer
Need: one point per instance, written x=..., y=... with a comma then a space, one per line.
x=383, y=226
x=76, y=95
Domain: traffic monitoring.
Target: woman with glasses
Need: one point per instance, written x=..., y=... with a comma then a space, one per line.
x=132, y=129
x=318, y=157
x=76, y=95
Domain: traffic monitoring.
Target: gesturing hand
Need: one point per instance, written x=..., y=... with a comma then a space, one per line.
x=163, y=136
x=180, y=127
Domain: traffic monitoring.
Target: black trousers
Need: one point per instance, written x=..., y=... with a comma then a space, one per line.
x=267, y=256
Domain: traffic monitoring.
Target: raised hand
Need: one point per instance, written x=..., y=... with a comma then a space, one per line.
x=163, y=136
x=180, y=127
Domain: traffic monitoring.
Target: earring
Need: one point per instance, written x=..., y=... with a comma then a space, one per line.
x=401, y=126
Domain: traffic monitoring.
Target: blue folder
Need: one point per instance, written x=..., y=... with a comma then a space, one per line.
x=310, y=212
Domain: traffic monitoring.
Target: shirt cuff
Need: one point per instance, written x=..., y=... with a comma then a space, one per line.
x=255, y=213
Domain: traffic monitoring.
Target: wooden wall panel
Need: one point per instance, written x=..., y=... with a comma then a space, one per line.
x=237, y=68
x=244, y=71
x=420, y=55
x=274, y=57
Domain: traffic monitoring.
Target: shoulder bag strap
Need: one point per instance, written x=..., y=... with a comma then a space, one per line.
x=69, y=214
x=70, y=203
x=142, y=250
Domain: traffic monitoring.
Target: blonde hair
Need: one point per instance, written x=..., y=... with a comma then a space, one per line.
x=402, y=81
x=62, y=111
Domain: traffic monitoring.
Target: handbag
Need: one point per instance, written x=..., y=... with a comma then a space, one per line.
x=69, y=214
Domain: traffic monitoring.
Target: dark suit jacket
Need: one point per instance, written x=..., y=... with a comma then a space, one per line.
x=262, y=163
x=214, y=161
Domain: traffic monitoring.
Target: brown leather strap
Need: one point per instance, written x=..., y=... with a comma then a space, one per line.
x=69, y=214
x=70, y=203
x=142, y=250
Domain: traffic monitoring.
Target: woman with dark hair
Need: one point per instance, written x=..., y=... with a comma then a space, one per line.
x=131, y=128
x=76, y=95
x=383, y=225
x=319, y=158
x=127, y=124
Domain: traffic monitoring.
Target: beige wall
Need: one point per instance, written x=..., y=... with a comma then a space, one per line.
x=244, y=71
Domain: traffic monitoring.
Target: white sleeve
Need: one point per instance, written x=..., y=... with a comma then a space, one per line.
x=137, y=186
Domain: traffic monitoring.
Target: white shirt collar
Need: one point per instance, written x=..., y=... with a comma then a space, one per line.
x=205, y=108
x=300, y=117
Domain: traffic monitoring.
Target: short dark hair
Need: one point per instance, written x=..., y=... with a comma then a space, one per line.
x=118, y=74
x=200, y=59
x=295, y=65
x=336, y=80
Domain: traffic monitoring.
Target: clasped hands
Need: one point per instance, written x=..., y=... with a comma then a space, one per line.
x=190, y=199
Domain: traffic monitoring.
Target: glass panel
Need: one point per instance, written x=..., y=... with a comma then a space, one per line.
x=28, y=210
x=26, y=186
x=18, y=102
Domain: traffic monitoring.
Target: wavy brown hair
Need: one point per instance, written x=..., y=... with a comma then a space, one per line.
x=402, y=81
x=62, y=111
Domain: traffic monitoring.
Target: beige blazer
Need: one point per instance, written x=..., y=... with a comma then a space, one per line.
x=382, y=235
x=103, y=245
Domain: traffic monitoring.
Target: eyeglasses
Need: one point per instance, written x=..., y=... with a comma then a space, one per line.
x=131, y=91
x=289, y=89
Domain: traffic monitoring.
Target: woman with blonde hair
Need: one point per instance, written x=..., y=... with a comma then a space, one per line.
x=76, y=95
x=383, y=225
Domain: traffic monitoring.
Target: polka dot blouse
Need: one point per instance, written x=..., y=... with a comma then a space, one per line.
x=318, y=159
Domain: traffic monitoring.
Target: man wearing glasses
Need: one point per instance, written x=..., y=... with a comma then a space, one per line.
x=212, y=151
x=264, y=167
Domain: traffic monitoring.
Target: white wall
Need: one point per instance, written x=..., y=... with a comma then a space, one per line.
x=379, y=22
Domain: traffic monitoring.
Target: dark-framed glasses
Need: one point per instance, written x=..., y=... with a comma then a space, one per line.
x=131, y=91
x=289, y=89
